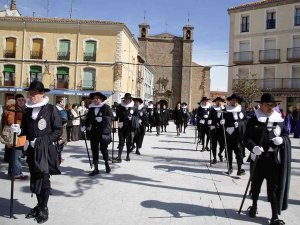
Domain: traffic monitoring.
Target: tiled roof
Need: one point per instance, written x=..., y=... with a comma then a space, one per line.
x=164, y=35
x=255, y=4
x=57, y=20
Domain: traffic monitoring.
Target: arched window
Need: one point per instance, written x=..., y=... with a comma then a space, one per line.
x=37, y=48
x=64, y=50
x=188, y=34
x=62, y=77
x=90, y=50
x=9, y=74
x=35, y=73
x=10, y=50
x=88, y=80
x=143, y=33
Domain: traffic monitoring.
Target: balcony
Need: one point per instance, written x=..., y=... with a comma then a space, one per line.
x=9, y=83
x=269, y=56
x=271, y=24
x=36, y=54
x=293, y=54
x=62, y=84
x=89, y=57
x=277, y=84
x=243, y=58
x=63, y=56
x=9, y=54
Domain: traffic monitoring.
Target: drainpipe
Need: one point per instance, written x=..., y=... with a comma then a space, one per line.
x=23, y=49
x=76, y=62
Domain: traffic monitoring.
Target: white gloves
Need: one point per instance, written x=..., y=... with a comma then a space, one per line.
x=222, y=122
x=236, y=124
x=32, y=143
x=212, y=127
x=16, y=128
x=130, y=117
x=202, y=121
x=114, y=114
x=120, y=124
x=257, y=150
x=83, y=128
x=205, y=116
x=99, y=119
x=277, y=140
x=140, y=121
x=209, y=122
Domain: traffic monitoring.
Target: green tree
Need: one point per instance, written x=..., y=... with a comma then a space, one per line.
x=248, y=88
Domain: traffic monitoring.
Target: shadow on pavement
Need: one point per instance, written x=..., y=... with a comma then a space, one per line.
x=19, y=208
x=186, y=142
x=173, y=149
x=175, y=209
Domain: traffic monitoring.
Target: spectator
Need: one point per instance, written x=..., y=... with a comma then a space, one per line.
x=76, y=123
x=69, y=122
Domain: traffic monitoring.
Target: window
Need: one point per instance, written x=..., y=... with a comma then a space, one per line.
x=37, y=49
x=269, y=78
x=88, y=81
x=90, y=51
x=62, y=77
x=35, y=73
x=245, y=24
x=9, y=75
x=297, y=17
x=271, y=20
x=243, y=73
x=64, y=50
x=296, y=77
x=10, y=51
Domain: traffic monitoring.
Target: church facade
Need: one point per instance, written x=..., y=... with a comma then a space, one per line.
x=177, y=77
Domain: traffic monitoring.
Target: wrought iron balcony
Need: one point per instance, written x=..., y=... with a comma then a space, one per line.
x=9, y=83
x=293, y=54
x=89, y=57
x=63, y=55
x=88, y=87
x=269, y=56
x=36, y=54
x=271, y=24
x=9, y=54
x=243, y=58
x=63, y=84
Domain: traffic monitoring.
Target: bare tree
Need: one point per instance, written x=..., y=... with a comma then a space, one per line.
x=248, y=88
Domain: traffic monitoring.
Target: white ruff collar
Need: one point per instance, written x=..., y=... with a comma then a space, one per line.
x=131, y=104
x=205, y=106
x=184, y=107
x=230, y=108
x=150, y=107
x=140, y=106
x=92, y=105
x=219, y=108
x=29, y=104
x=274, y=117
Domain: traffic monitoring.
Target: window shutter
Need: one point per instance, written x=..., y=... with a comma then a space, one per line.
x=88, y=78
x=63, y=71
x=64, y=46
x=9, y=68
x=90, y=48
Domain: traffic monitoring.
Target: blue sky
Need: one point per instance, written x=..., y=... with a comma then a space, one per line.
x=209, y=18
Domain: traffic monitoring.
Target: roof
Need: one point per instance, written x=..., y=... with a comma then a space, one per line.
x=57, y=20
x=259, y=4
x=164, y=35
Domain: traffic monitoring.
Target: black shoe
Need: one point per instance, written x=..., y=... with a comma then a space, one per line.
x=94, y=172
x=42, y=216
x=33, y=212
x=127, y=158
x=220, y=157
x=202, y=150
x=165, y=131
x=207, y=149
x=229, y=172
x=107, y=168
x=131, y=148
x=117, y=160
x=214, y=161
x=277, y=222
x=252, y=211
x=137, y=152
x=241, y=172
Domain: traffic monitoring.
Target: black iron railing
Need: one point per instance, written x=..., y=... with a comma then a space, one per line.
x=269, y=56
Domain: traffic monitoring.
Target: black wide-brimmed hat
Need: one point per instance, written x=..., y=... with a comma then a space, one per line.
x=37, y=86
x=127, y=96
x=184, y=103
x=267, y=98
x=219, y=99
x=235, y=96
x=138, y=100
x=204, y=99
x=102, y=96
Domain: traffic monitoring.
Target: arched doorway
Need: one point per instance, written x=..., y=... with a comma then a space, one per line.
x=164, y=102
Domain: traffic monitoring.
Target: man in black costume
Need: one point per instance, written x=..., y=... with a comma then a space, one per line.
x=42, y=126
x=273, y=157
x=99, y=123
x=235, y=124
x=186, y=115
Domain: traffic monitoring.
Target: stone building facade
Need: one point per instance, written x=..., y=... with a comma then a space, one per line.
x=177, y=78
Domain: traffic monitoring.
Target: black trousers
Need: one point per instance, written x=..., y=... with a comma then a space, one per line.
x=217, y=136
x=203, y=129
x=125, y=135
x=266, y=168
x=139, y=136
x=234, y=145
x=97, y=145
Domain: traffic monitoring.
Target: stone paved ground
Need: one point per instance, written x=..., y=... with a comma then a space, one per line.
x=170, y=183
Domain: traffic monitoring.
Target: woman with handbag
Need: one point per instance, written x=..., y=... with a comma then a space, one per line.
x=69, y=122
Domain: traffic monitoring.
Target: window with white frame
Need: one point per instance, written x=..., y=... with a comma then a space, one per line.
x=245, y=23
x=88, y=80
x=271, y=20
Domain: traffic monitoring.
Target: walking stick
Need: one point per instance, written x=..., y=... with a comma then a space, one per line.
x=84, y=137
x=210, y=145
x=195, y=133
x=254, y=165
x=225, y=144
x=113, y=142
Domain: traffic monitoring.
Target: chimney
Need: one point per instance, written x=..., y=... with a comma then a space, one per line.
x=13, y=5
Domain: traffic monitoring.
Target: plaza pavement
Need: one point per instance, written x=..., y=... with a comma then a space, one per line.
x=170, y=183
